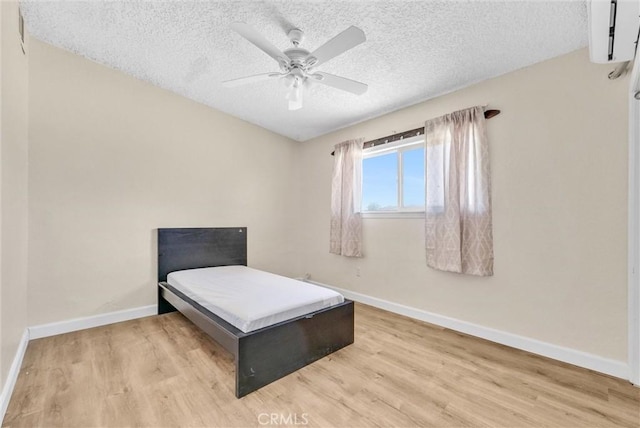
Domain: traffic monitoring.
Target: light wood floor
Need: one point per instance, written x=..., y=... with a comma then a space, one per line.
x=161, y=371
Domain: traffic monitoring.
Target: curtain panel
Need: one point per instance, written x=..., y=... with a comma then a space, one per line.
x=346, y=194
x=458, y=227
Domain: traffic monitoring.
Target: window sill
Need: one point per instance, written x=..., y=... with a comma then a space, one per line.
x=393, y=214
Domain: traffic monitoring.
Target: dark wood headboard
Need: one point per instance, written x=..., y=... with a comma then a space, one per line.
x=192, y=248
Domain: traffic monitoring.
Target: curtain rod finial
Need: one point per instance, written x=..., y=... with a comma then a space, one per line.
x=488, y=114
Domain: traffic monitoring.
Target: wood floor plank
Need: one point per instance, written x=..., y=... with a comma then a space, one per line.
x=162, y=371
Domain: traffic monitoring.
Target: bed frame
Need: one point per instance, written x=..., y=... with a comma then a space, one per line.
x=261, y=356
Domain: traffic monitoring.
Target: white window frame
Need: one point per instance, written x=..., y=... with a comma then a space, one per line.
x=398, y=147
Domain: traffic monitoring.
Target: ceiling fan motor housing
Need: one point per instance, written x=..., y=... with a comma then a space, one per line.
x=297, y=56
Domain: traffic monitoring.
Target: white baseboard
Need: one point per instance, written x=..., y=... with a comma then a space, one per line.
x=12, y=376
x=46, y=330
x=578, y=358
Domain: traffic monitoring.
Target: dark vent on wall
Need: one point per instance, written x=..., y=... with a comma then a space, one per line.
x=21, y=29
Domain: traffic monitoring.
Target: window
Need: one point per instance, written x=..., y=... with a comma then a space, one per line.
x=393, y=177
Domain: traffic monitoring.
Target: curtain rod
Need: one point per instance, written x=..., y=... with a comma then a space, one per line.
x=488, y=114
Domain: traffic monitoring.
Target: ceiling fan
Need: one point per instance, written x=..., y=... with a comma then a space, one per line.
x=297, y=65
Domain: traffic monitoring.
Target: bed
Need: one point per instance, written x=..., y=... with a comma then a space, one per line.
x=273, y=344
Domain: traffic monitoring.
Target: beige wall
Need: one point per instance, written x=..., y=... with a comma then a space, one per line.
x=111, y=159
x=13, y=187
x=559, y=172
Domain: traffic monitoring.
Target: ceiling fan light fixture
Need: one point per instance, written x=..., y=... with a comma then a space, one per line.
x=295, y=96
x=288, y=80
x=297, y=93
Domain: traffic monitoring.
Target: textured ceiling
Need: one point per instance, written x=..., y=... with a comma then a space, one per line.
x=415, y=50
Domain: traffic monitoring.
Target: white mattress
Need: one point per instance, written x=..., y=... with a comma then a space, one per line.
x=250, y=299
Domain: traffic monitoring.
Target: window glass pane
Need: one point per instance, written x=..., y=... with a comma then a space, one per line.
x=380, y=182
x=413, y=178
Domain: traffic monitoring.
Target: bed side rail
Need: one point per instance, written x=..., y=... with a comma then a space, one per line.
x=269, y=354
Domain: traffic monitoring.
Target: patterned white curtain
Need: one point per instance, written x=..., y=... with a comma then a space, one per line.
x=346, y=195
x=459, y=234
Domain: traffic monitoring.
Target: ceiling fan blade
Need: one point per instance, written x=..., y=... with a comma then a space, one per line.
x=250, y=33
x=250, y=79
x=339, y=82
x=349, y=38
